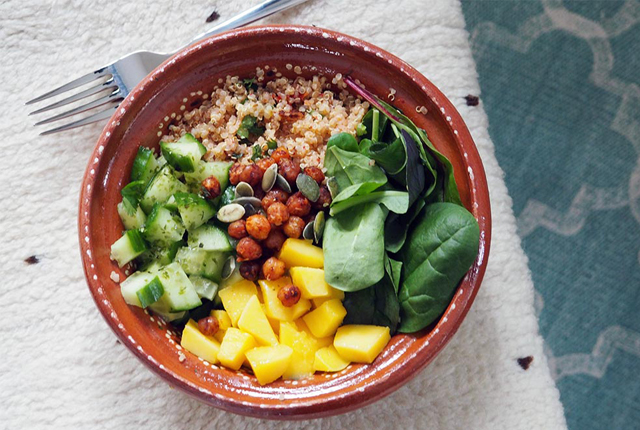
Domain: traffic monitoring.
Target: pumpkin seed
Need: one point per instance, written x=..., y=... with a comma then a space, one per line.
x=249, y=209
x=318, y=227
x=332, y=185
x=250, y=200
x=308, y=187
x=307, y=233
x=283, y=184
x=230, y=213
x=228, y=267
x=269, y=178
x=244, y=190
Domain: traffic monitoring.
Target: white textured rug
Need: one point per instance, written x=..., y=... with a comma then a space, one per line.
x=60, y=365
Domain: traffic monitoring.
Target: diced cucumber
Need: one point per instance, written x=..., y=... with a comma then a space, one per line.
x=184, y=154
x=163, y=185
x=150, y=293
x=194, y=210
x=144, y=166
x=209, y=238
x=134, y=283
x=202, y=263
x=179, y=291
x=161, y=161
x=132, y=217
x=205, y=169
x=133, y=191
x=205, y=288
x=163, y=228
x=171, y=203
x=162, y=309
x=128, y=247
x=153, y=266
x=158, y=257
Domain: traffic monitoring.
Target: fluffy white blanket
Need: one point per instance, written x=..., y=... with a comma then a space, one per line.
x=60, y=365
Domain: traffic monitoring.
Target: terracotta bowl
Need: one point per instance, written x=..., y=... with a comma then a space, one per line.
x=178, y=84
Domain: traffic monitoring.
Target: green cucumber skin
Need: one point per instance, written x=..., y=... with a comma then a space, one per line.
x=162, y=227
x=209, y=238
x=130, y=286
x=128, y=247
x=194, y=210
x=131, y=221
x=179, y=291
x=184, y=154
x=144, y=166
x=163, y=185
x=150, y=293
x=198, y=262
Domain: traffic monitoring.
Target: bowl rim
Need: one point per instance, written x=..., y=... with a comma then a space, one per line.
x=379, y=389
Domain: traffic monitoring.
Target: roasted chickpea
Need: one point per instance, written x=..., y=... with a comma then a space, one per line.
x=250, y=270
x=275, y=195
x=289, y=295
x=324, y=200
x=265, y=163
x=249, y=173
x=293, y=227
x=280, y=154
x=248, y=249
x=298, y=204
x=278, y=213
x=258, y=226
x=237, y=229
x=208, y=326
x=315, y=173
x=273, y=269
x=290, y=169
x=211, y=187
x=258, y=193
x=275, y=239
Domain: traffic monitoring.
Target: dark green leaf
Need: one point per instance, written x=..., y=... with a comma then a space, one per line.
x=248, y=126
x=395, y=201
x=228, y=195
x=344, y=141
x=394, y=271
x=439, y=250
x=272, y=144
x=397, y=226
x=250, y=84
x=133, y=191
x=365, y=144
x=367, y=121
x=257, y=152
x=350, y=168
x=391, y=157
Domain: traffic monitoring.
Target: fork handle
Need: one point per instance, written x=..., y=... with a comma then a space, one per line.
x=256, y=13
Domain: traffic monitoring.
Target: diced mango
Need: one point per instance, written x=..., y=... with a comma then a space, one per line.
x=235, y=298
x=299, y=252
x=301, y=365
x=224, y=322
x=325, y=320
x=233, y=348
x=255, y=322
x=319, y=342
x=197, y=343
x=361, y=343
x=269, y=362
x=327, y=359
x=275, y=324
x=334, y=293
x=274, y=307
x=311, y=282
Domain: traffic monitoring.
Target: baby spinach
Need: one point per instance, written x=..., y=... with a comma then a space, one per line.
x=354, y=247
x=343, y=141
x=439, y=250
x=393, y=269
x=350, y=168
x=396, y=227
x=391, y=157
x=395, y=201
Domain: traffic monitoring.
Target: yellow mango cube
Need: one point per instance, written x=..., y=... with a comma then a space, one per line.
x=311, y=282
x=233, y=348
x=318, y=342
x=274, y=307
x=224, y=322
x=301, y=365
x=361, y=343
x=269, y=362
x=275, y=324
x=235, y=298
x=255, y=322
x=197, y=343
x=325, y=320
x=327, y=359
x=299, y=252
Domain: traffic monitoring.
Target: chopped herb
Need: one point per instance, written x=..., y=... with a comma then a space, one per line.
x=249, y=125
x=244, y=100
x=272, y=144
x=250, y=84
x=257, y=152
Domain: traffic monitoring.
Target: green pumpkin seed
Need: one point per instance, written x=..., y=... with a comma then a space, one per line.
x=318, y=227
x=249, y=209
x=228, y=267
x=307, y=233
x=254, y=201
x=332, y=185
x=269, y=178
x=308, y=187
x=230, y=213
x=283, y=184
x=243, y=190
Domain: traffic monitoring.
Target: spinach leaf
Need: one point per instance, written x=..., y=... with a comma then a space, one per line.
x=249, y=125
x=350, y=168
x=343, y=141
x=365, y=144
x=394, y=271
x=353, y=246
x=367, y=121
x=395, y=201
x=360, y=306
x=396, y=227
x=441, y=247
x=391, y=157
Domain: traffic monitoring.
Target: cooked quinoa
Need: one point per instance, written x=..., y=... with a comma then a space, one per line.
x=299, y=114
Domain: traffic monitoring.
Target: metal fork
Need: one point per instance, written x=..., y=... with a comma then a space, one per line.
x=121, y=76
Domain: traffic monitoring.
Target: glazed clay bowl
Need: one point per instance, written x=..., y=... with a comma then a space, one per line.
x=178, y=85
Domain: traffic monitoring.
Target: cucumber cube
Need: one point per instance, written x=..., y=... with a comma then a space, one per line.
x=144, y=165
x=163, y=185
x=150, y=293
x=132, y=217
x=184, y=154
x=209, y=238
x=163, y=228
x=205, y=169
x=128, y=247
x=194, y=210
x=180, y=293
x=205, y=288
x=202, y=263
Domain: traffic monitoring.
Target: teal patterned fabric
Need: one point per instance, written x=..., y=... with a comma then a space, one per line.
x=561, y=85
